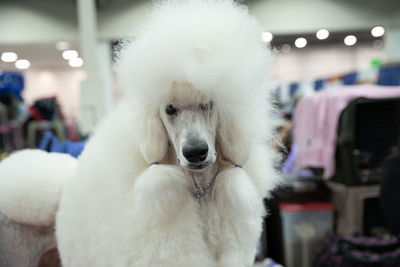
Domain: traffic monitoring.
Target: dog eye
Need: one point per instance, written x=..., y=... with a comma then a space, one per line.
x=207, y=107
x=171, y=110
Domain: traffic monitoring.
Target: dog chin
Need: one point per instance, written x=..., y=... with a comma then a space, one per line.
x=197, y=167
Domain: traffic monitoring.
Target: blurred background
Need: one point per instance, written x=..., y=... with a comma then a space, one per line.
x=57, y=45
x=57, y=82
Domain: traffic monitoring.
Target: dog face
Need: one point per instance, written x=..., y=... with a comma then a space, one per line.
x=195, y=127
x=190, y=120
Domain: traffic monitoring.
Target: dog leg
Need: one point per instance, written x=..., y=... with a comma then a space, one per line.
x=234, y=219
x=169, y=231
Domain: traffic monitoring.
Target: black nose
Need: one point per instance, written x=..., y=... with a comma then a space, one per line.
x=195, y=150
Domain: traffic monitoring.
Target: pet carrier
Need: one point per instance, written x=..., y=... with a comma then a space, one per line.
x=368, y=134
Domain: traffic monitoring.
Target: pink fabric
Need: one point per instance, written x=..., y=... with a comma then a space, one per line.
x=316, y=120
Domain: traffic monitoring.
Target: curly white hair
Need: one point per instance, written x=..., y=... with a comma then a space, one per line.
x=119, y=208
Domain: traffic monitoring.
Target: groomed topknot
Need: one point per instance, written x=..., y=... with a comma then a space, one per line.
x=213, y=45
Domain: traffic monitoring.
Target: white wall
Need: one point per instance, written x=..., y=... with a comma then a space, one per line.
x=314, y=63
x=122, y=18
x=39, y=21
x=392, y=39
x=64, y=84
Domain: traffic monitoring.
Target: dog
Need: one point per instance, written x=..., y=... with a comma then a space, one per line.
x=177, y=173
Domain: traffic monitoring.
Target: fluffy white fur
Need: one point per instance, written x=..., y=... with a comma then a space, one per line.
x=31, y=182
x=117, y=210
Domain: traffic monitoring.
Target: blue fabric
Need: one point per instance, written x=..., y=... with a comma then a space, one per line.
x=45, y=141
x=57, y=146
x=350, y=78
x=278, y=94
x=389, y=75
x=11, y=83
x=293, y=87
x=51, y=143
x=74, y=148
x=319, y=84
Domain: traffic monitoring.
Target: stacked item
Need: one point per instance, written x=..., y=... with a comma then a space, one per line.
x=45, y=116
x=317, y=121
x=11, y=136
x=349, y=132
x=304, y=229
x=47, y=130
x=368, y=134
x=351, y=203
x=296, y=206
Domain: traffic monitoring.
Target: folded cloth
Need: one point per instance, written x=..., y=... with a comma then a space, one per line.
x=50, y=143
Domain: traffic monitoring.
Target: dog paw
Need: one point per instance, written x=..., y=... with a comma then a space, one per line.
x=161, y=189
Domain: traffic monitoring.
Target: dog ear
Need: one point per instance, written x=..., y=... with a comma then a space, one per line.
x=152, y=136
x=232, y=141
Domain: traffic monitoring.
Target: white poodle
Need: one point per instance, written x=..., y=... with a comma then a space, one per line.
x=176, y=175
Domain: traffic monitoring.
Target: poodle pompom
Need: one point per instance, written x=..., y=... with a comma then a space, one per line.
x=31, y=182
x=161, y=189
x=235, y=189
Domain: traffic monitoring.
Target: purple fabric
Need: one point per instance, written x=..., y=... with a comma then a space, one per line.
x=316, y=120
x=289, y=164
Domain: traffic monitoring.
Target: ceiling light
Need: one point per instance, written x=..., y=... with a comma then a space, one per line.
x=69, y=54
x=266, y=37
x=75, y=62
x=286, y=48
x=300, y=42
x=322, y=34
x=378, y=31
x=62, y=45
x=22, y=64
x=9, y=56
x=350, y=40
